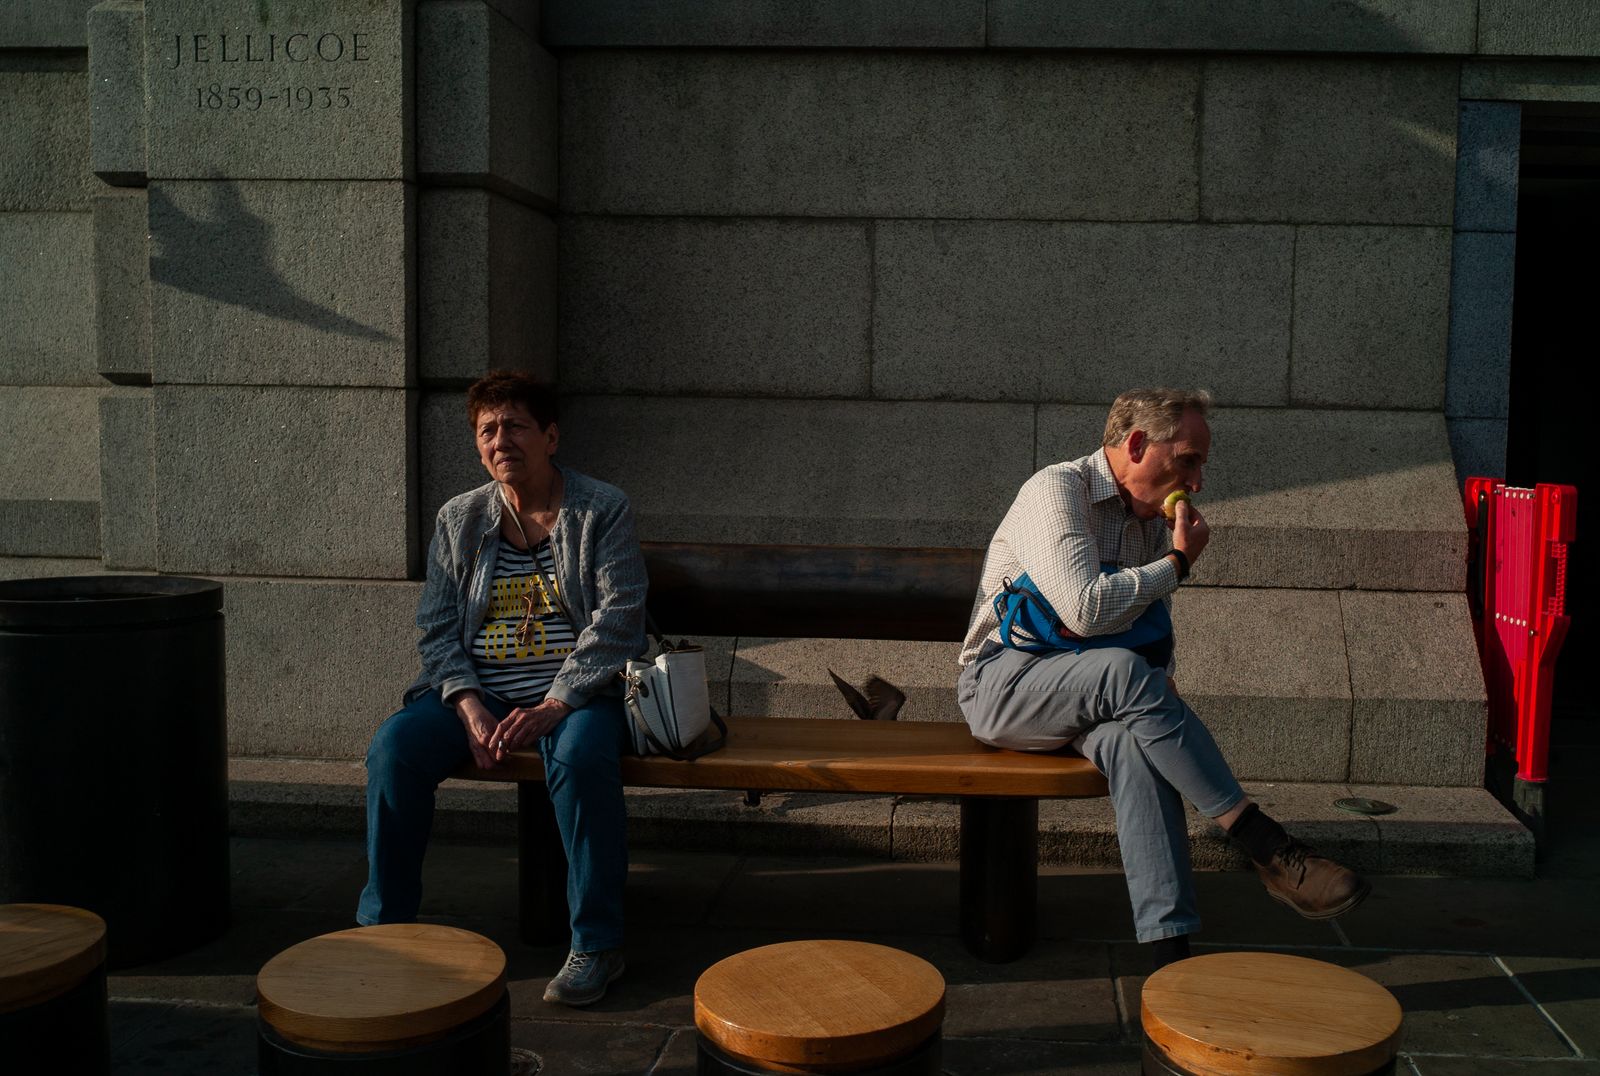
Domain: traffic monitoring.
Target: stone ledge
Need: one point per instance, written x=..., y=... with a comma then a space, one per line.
x=1455, y=832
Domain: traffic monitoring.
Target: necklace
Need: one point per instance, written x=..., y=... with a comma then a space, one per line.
x=525, y=628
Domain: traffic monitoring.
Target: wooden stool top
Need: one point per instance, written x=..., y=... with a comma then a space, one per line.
x=46, y=950
x=816, y=1005
x=1238, y=1013
x=384, y=987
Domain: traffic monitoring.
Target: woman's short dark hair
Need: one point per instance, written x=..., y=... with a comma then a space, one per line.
x=501, y=387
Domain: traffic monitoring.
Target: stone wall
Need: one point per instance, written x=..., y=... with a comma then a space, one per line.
x=810, y=272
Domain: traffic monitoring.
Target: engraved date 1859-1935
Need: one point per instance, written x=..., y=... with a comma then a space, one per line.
x=254, y=99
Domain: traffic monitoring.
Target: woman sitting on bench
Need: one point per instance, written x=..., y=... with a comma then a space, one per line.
x=534, y=601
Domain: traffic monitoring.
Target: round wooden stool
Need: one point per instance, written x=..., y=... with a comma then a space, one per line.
x=820, y=1006
x=1232, y=1014
x=398, y=999
x=53, y=986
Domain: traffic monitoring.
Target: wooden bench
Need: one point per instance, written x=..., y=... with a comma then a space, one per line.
x=834, y=592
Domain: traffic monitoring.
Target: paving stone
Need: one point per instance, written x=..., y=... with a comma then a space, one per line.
x=47, y=299
x=722, y=470
x=1456, y=1004
x=1508, y=916
x=1420, y=710
x=298, y=89
x=275, y=873
x=223, y=972
x=1530, y=80
x=1314, y=498
x=1329, y=140
x=1371, y=314
x=46, y=162
x=1566, y=988
x=862, y=133
x=1237, y=913
x=55, y=25
x=127, y=481
x=331, y=472
x=789, y=677
x=1063, y=994
x=486, y=102
x=1478, y=367
x=599, y=1048
x=182, y=1040
x=1545, y=28
x=1430, y=1065
x=764, y=307
x=834, y=895
x=1479, y=447
x=1464, y=832
x=116, y=92
x=275, y=283
x=983, y=1057
x=1488, y=143
x=1302, y=26
x=486, y=286
x=122, y=285
x=1079, y=311
x=296, y=687
x=900, y=24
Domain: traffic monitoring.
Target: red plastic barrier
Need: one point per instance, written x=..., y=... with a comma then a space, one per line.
x=1517, y=589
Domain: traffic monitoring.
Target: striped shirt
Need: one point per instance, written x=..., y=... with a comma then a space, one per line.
x=1067, y=520
x=521, y=671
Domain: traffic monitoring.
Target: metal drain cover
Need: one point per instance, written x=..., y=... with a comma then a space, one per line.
x=1362, y=805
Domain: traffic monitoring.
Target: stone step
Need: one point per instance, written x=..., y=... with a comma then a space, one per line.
x=1296, y=685
x=1447, y=831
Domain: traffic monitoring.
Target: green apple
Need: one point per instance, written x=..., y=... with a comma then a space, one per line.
x=1169, y=507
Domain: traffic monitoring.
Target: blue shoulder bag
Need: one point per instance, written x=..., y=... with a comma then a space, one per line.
x=1029, y=623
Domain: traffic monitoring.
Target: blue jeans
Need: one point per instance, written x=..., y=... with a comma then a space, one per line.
x=426, y=742
x=1119, y=711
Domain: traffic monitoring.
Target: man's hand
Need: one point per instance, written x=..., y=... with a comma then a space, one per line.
x=1190, y=531
x=524, y=725
x=480, y=724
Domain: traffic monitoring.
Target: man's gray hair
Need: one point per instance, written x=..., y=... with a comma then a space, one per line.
x=1157, y=412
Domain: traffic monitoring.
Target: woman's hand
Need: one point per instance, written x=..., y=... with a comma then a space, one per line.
x=480, y=724
x=524, y=725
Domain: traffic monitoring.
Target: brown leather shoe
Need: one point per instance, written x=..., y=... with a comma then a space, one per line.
x=1312, y=884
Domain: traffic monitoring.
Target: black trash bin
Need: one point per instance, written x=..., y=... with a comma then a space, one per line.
x=113, y=769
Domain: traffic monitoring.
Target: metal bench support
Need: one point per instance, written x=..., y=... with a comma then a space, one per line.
x=999, y=876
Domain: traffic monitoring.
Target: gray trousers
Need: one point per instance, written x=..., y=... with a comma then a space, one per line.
x=1121, y=714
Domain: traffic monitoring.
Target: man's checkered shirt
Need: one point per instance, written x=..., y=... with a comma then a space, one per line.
x=1065, y=522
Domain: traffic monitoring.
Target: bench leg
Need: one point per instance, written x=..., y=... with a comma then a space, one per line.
x=541, y=867
x=999, y=876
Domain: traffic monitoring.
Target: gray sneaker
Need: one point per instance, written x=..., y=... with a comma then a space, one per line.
x=583, y=979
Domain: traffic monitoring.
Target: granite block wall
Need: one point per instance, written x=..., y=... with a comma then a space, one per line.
x=811, y=272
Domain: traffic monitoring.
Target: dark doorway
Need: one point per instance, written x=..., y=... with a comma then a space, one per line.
x=1554, y=429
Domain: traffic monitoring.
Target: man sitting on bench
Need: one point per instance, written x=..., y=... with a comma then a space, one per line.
x=1070, y=642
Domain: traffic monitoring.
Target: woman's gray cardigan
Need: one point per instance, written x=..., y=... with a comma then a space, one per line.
x=600, y=579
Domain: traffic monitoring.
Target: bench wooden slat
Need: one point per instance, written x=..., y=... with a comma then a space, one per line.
x=801, y=754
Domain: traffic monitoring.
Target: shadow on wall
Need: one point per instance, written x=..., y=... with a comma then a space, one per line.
x=228, y=257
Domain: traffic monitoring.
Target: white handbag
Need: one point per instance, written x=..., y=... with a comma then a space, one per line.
x=670, y=705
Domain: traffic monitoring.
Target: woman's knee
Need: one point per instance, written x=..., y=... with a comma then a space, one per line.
x=588, y=742
x=411, y=739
